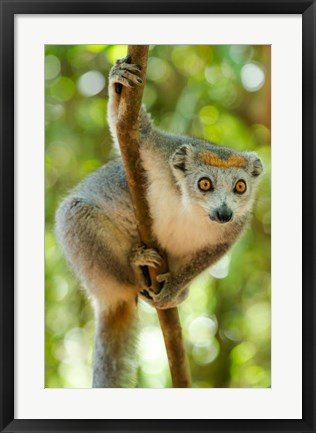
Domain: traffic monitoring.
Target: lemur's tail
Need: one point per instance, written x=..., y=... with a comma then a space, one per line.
x=115, y=364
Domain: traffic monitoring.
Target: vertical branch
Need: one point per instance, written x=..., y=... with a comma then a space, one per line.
x=128, y=136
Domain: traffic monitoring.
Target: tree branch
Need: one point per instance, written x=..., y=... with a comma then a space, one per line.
x=128, y=136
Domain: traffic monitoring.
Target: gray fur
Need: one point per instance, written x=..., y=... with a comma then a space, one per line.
x=96, y=226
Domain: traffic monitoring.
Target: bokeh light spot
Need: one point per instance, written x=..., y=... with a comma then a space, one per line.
x=209, y=115
x=241, y=53
x=255, y=375
x=202, y=329
x=186, y=59
x=61, y=287
x=52, y=67
x=157, y=69
x=243, y=352
x=258, y=318
x=212, y=74
x=151, y=349
x=53, y=112
x=252, y=76
x=116, y=52
x=91, y=83
x=221, y=268
x=206, y=353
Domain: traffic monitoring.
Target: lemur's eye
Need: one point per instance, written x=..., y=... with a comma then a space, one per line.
x=205, y=184
x=240, y=186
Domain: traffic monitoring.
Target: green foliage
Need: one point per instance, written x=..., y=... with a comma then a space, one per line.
x=221, y=93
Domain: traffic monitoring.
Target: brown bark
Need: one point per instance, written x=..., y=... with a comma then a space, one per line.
x=128, y=135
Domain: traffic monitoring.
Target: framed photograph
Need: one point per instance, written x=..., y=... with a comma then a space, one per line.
x=230, y=88
x=215, y=312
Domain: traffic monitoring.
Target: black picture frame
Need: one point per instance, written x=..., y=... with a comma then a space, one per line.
x=8, y=10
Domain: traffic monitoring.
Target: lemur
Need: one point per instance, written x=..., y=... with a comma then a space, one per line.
x=200, y=197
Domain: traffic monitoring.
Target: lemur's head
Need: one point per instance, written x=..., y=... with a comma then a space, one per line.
x=219, y=180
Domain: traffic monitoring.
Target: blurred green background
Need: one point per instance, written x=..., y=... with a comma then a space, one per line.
x=221, y=93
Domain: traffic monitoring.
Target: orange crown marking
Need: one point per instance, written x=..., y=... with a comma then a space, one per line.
x=212, y=159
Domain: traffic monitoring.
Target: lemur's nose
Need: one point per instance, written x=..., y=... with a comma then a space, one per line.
x=223, y=214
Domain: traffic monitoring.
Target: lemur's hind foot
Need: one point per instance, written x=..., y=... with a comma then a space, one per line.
x=141, y=257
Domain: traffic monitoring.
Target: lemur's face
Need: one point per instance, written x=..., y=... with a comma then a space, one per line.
x=221, y=184
x=224, y=193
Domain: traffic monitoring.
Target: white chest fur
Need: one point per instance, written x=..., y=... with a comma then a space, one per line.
x=180, y=228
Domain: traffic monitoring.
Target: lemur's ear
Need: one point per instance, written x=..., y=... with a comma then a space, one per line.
x=179, y=160
x=256, y=165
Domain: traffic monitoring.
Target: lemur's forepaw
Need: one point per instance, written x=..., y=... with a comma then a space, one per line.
x=166, y=298
x=163, y=301
x=125, y=74
x=142, y=256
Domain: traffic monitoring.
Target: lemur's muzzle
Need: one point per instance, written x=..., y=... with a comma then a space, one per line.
x=222, y=214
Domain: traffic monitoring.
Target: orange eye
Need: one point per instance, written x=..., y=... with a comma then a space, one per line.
x=240, y=187
x=205, y=184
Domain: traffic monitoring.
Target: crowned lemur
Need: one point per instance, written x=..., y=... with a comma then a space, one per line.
x=200, y=196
